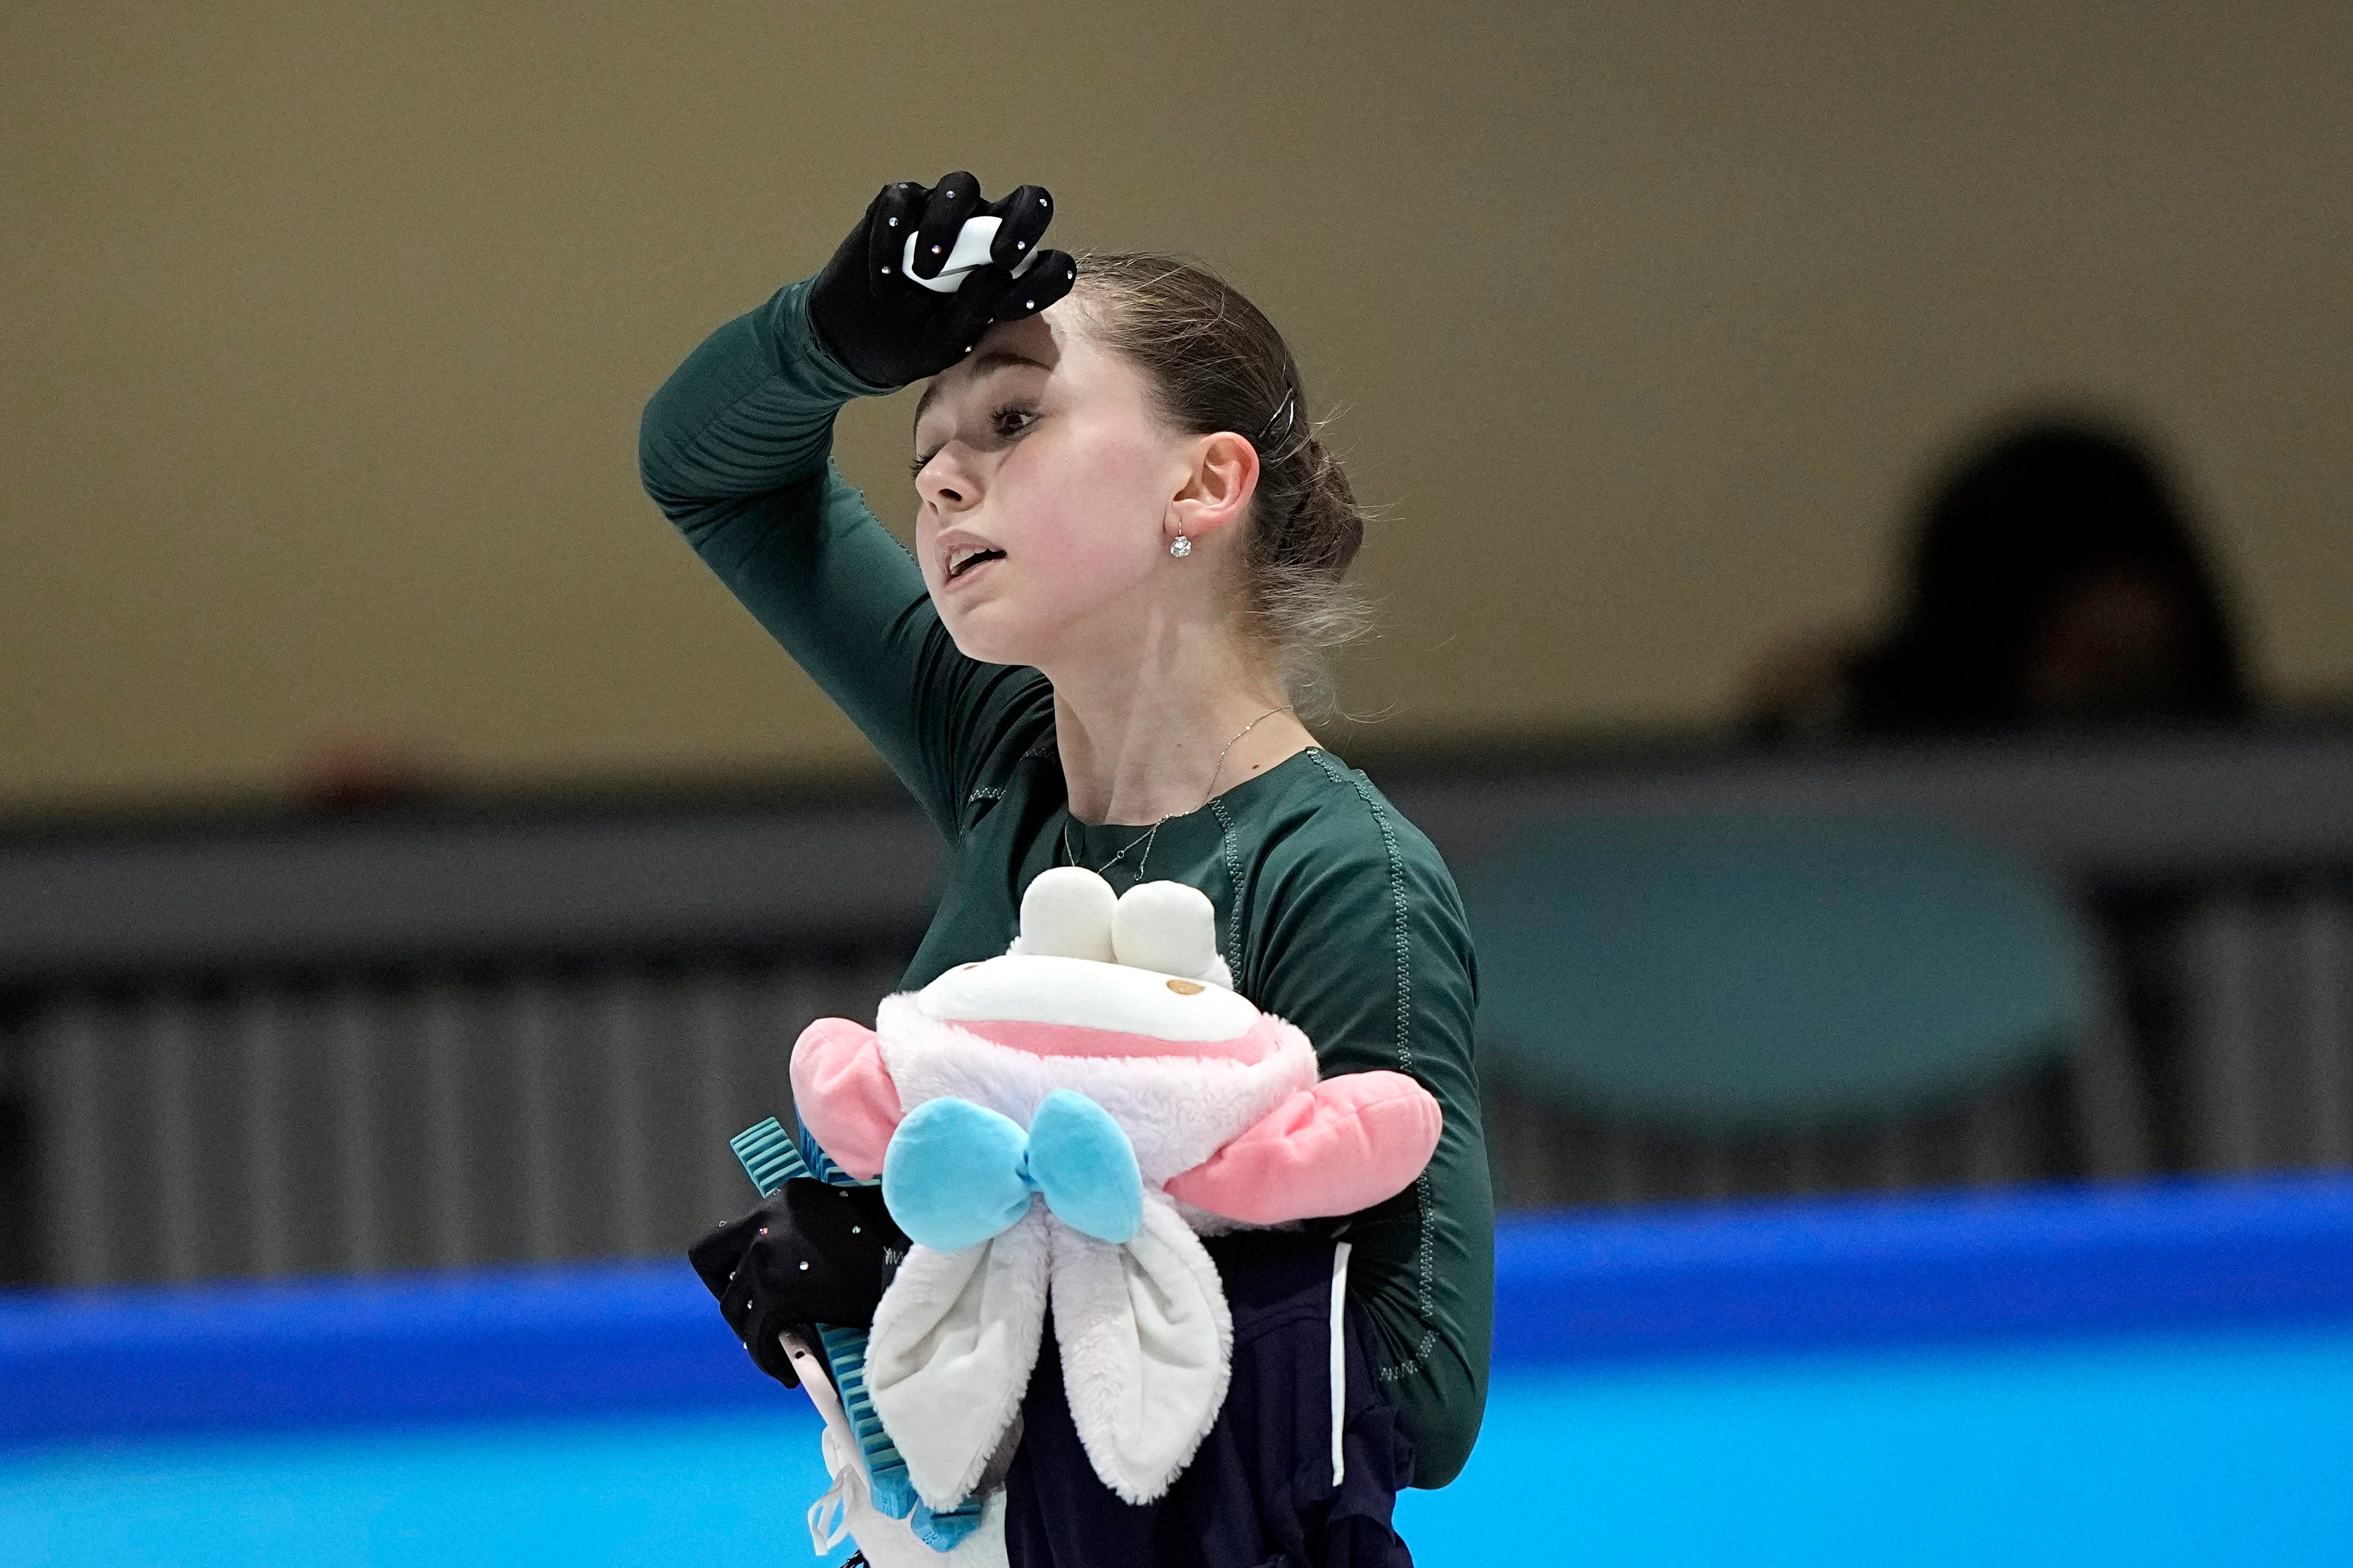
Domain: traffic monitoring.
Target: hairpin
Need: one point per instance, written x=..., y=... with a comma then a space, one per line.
x=1288, y=415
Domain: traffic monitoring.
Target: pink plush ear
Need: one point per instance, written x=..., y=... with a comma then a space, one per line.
x=843, y=1094
x=1343, y=1145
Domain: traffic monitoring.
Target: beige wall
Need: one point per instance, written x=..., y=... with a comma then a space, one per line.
x=324, y=329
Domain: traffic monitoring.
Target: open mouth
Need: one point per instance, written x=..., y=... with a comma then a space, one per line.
x=964, y=559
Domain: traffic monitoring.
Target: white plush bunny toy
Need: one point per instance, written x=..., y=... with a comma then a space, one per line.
x=1069, y=1119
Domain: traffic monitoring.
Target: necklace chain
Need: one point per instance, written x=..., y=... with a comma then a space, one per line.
x=1145, y=836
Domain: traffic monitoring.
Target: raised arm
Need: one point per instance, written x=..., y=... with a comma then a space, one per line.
x=736, y=450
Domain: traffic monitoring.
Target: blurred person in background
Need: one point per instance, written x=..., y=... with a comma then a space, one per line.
x=2054, y=582
x=1130, y=543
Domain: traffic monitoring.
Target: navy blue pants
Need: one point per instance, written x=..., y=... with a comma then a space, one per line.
x=1260, y=1494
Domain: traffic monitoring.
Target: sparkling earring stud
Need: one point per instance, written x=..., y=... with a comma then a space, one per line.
x=1180, y=547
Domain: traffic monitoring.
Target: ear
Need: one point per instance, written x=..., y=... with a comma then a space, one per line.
x=1169, y=928
x=1218, y=490
x=1067, y=911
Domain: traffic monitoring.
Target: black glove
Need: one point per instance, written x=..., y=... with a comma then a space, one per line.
x=811, y=1254
x=888, y=331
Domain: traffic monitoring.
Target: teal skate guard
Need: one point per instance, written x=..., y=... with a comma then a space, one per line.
x=771, y=1158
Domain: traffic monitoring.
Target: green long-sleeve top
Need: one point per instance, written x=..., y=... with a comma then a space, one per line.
x=1333, y=912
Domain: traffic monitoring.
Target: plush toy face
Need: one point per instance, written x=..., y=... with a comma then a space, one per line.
x=1124, y=1002
x=1121, y=1000
x=1054, y=1006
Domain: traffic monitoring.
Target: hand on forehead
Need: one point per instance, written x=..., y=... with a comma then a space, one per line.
x=1037, y=342
x=1033, y=340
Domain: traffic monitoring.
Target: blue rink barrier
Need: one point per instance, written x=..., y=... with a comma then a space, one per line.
x=2144, y=1375
x=1851, y=1273
x=599, y=1340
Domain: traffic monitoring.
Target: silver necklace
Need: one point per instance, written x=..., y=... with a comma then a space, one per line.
x=1145, y=837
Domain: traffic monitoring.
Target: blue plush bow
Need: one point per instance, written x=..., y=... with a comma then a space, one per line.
x=956, y=1174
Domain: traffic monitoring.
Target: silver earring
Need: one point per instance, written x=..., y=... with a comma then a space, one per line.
x=1180, y=546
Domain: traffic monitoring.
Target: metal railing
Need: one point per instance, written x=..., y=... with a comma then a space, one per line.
x=452, y=1039
x=359, y=1123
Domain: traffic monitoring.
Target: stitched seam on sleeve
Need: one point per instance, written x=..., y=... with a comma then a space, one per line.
x=1425, y=1237
x=979, y=793
x=1234, y=860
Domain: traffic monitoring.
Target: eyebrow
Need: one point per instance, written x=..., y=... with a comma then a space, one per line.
x=988, y=364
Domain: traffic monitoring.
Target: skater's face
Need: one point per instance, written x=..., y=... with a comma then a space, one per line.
x=1050, y=490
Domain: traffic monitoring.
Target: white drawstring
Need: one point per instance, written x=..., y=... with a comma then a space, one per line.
x=835, y=1499
x=841, y=1461
x=1339, y=1360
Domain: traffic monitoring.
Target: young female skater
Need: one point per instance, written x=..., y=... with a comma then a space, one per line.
x=1129, y=543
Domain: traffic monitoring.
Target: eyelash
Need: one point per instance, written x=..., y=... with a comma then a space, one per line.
x=997, y=417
